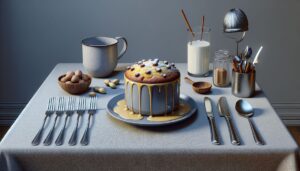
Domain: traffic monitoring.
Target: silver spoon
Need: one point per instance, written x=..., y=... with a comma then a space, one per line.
x=237, y=59
x=247, y=53
x=245, y=109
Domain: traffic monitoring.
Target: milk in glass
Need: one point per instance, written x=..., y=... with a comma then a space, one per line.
x=198, y=52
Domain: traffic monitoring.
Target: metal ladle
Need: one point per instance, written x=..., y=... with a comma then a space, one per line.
x=245, y=109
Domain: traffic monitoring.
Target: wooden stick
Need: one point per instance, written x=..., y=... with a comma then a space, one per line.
x=187, y=23
x=202, y=27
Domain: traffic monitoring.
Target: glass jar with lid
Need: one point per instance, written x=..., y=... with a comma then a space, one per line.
x=222, y=68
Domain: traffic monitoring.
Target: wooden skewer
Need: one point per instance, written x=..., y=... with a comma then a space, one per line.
x=187, y=23
x=202, y=27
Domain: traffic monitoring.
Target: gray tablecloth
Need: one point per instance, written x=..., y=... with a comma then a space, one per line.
x=118, y=146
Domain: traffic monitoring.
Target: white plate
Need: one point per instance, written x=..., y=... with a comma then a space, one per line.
x=144, y=122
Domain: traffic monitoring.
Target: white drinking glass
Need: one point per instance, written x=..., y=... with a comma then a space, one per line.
x=198, y=52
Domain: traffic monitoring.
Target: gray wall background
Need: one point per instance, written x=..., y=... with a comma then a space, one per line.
x=36, y=35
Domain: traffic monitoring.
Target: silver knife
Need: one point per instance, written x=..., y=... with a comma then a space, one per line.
x=224, y=112
x=211, y=119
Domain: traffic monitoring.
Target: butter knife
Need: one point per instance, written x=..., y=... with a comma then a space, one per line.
x=224, y=112
x=211, y=119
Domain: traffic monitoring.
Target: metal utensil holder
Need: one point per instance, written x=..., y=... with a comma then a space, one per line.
x=243, y=84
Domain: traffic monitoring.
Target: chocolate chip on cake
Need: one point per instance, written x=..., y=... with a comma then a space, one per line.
x=155, y=64
x=128, y=67
x=132, y=68
x=137, y=74
x=148, y=72
x=153, y=71
x=158, y=69
x=172, y=64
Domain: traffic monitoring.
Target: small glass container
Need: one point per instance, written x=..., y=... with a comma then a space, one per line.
x=222, y=68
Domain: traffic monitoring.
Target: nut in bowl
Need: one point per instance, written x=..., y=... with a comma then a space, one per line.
x=75, y=82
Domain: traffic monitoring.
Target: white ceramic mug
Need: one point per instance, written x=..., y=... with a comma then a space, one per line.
x=100, y=55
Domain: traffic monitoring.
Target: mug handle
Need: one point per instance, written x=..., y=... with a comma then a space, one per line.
x=124, y=49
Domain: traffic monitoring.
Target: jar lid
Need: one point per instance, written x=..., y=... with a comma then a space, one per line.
x=222, y=54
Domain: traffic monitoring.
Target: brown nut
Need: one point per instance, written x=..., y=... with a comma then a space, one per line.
x=66, y=78
x=106, y=82
x=69, y=82
x=70, y=73
x=112, y=85
x=81, y=82
x=100, y=90
x=75, y=79
x=116, y=81
x=78, y=72
x=92, y=94
x=85, y=77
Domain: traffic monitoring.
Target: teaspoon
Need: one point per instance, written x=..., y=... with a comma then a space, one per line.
x=245, y=109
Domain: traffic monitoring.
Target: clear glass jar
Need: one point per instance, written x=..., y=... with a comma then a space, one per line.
x=222, y=68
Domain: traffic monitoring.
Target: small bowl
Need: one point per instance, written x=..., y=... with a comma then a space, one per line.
x=75, y=88
x=202, y=87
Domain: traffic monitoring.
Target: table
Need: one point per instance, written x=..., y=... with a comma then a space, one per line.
x=118, y=146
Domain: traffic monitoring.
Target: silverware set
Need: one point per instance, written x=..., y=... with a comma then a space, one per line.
x=243, y=62
x=66, y=106
x=243, y=108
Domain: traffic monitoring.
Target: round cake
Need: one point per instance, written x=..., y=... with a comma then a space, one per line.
x=152, y=87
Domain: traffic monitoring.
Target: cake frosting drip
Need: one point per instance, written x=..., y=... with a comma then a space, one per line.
x=152, y=71
x=152, y=74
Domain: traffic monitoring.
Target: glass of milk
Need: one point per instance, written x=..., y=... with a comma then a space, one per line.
x=198, y=52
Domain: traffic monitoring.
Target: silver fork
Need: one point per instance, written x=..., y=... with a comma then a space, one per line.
x=80, y=111
x=50, y=110
x=70, y=110
x=59, y=112
x=91, y=111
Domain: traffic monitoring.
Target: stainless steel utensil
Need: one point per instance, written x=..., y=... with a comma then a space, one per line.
x=224, y=112
x=244, y=64
x=245, y=110
x=59, y=112
x=80, y=111
x=91, y=111
x=211, y=119
x=70, y=110
x=255, y=61
x=237, y=59
x=50, y=110
x=247, y=53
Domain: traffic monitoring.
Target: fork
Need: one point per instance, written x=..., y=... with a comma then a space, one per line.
x=50, y=110
x=70, y=110
x=80, y=111
x=59, y=112
x=91, y=111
